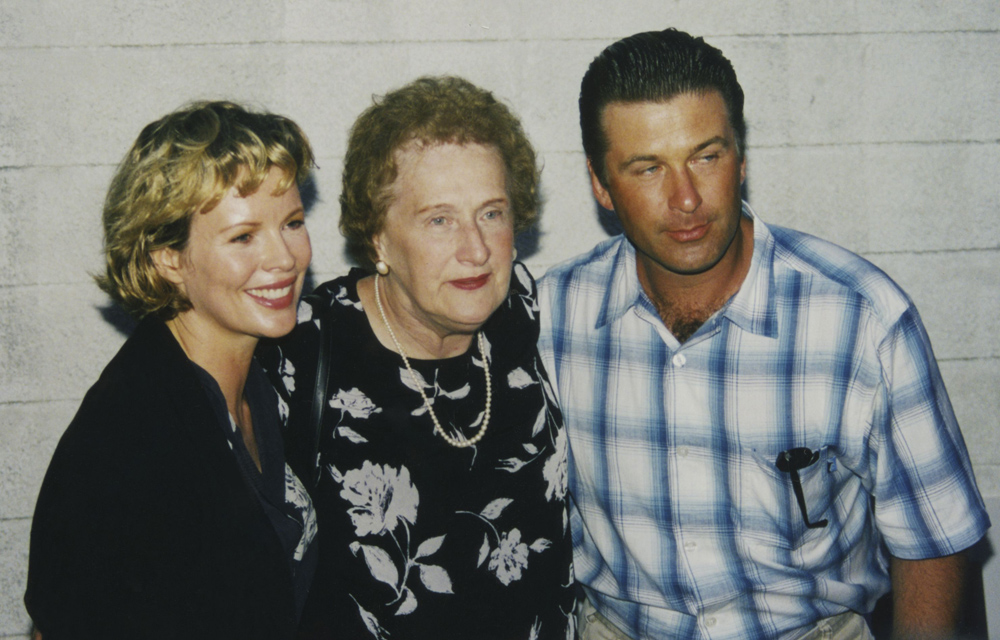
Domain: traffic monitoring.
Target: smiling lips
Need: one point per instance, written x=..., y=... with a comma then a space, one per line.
x=471, y=284
x=275, y=296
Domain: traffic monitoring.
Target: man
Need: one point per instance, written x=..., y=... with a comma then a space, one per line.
x=761, y=443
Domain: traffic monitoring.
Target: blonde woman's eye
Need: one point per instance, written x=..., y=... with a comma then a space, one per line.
x=243, y=238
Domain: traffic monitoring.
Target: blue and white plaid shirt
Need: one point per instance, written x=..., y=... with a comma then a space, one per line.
x=683, y=526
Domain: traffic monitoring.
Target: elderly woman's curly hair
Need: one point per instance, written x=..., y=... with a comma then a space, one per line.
x=428, y=111
x=182, y=164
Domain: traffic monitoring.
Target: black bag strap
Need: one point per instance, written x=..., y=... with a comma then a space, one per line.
x=318, y=405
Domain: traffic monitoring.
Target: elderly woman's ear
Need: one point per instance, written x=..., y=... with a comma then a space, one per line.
x=379, y=246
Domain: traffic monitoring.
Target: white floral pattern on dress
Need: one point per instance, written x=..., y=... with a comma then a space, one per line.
x=510, y=557
x=354, y=402
x=343, y=298
x=519, y=379
x=385, y=498
x=382, y=498
x=418, y=383
x=304, y=313
x=287, y=372
x=297, y=496
x=556, y=469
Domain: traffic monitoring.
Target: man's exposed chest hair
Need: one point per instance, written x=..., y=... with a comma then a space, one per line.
x=683, y=321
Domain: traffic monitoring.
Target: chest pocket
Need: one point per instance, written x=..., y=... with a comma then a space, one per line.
x=788, y=496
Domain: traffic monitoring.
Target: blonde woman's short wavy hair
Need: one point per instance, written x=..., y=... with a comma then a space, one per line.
x=429, y=110
x=182, y=164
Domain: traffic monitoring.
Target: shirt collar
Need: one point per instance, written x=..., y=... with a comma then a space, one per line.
x=753, y=308
x=623, y=291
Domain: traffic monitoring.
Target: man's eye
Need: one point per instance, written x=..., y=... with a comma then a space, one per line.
x=296, y=224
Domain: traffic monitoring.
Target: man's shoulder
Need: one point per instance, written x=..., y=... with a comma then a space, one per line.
x=597, y=264
x=833, y=268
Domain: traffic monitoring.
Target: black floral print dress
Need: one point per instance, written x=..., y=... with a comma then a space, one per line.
x=418, y=538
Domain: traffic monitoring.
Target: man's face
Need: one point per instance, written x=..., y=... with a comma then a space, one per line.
x=673, y=178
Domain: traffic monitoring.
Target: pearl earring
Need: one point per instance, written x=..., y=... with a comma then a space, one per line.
x=382, y=268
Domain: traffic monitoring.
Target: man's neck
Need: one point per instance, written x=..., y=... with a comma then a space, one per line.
x=686, y=302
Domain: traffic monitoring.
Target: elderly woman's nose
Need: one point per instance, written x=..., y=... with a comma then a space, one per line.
x=473, y=246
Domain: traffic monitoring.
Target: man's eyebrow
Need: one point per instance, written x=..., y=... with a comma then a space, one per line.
x=624, y=164
x=720, y=140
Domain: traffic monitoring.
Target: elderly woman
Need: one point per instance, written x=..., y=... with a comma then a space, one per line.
x=168, y=510
x=441, y=488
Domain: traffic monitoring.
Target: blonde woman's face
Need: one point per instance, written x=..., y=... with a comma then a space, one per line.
x=244, y=265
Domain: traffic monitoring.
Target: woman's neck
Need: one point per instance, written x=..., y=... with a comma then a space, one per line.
x=417, y=340
x=227, y=361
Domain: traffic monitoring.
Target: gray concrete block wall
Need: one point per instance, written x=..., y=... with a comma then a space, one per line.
x=871, y=124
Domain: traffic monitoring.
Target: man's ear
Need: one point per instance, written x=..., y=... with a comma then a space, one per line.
x=743, y=170
x=602, y=195
x=168, y=265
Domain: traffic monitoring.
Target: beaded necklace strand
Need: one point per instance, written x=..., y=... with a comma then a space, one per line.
x=455, y=442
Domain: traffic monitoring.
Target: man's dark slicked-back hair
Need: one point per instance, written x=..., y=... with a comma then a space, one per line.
x=654, y=66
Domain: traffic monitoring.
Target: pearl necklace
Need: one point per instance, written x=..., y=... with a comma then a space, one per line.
x=455, y=442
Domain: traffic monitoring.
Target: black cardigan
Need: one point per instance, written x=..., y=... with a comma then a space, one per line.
x=145, y=527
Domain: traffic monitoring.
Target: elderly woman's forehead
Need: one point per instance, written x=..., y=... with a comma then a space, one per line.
x=416, y=147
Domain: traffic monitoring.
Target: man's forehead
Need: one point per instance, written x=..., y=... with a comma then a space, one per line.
x=683, y=115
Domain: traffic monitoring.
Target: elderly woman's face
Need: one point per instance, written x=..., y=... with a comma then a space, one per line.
x=448, y=235
x=244, y=265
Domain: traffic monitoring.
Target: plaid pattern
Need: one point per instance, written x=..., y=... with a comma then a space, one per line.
x=683, y=526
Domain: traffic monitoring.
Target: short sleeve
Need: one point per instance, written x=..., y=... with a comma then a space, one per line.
x=927, y=502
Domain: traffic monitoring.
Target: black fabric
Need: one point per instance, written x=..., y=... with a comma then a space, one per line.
x=269, y=483
x=419, y=539
x=145, y=526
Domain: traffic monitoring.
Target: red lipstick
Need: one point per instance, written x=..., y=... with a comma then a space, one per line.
x=471, y=284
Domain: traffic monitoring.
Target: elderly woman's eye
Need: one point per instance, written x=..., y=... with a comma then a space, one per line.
x=438, y=221
x=492, y=215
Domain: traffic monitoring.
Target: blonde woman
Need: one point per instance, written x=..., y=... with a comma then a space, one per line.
x=168, y=510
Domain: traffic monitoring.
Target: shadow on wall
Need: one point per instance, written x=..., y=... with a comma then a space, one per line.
x=528, y=242
x=117, y=318
x=309, y=193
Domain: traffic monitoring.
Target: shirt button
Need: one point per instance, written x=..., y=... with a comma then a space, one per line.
x=682, y=452
x=709, y=622
x=690, y=546
x=679, y=360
